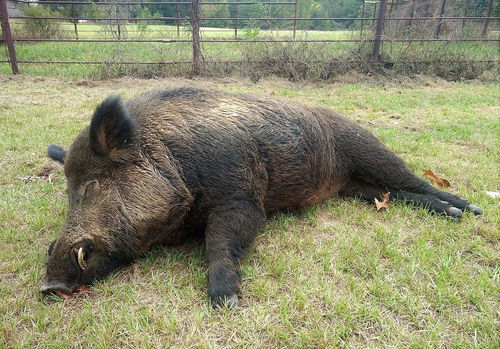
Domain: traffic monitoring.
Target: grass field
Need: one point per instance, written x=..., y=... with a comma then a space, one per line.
x=338, y=275
x=222, y=51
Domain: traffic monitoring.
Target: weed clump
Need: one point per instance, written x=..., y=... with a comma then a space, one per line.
x=39, y=28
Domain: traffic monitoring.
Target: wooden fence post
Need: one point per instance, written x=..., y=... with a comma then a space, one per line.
x=295, y=20
x=235, y=22
x=195, y=32
x=73, y=13
x=466, y=10
x=487, y=20
x=7, y=36
x=441, y=13
x=379, y=30
x=362, y=20
x=412, y=13
x=177, y=15
x=392, y=7
x=374, y=12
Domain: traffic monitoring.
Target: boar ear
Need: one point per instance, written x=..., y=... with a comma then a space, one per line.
x=56, y=153
x=111, y=128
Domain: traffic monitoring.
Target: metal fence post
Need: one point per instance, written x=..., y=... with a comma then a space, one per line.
x=7, y=36
x=487, y=20
x=379, y=31
x=195, y=31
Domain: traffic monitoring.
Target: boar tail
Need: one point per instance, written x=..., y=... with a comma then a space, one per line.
x=56, y=153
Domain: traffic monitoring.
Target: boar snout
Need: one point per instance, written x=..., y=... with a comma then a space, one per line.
x=66, y=266
x=50, y=288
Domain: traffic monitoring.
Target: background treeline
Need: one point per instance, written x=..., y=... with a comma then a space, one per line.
x=305, y=9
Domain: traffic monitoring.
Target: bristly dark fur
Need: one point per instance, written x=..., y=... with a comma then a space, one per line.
x=111, y=128
x=169, y=164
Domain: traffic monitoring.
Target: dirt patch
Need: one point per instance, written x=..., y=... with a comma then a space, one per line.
x=46, y=173
x=41, y=83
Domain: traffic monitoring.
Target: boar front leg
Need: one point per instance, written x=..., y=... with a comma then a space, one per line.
x=231, y=229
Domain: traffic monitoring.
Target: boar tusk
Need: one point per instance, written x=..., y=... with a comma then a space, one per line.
x=81, y=261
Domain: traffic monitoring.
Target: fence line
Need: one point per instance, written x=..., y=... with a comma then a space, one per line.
x=378, y=19
x=381, y=62
x=167, y=41
x=254, y=18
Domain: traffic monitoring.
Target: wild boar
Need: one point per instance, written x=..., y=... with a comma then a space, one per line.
x=169, y=164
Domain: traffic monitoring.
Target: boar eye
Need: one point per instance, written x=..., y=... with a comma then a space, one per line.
x=49, y=251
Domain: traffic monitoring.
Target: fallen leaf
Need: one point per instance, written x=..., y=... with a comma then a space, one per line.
x=384, y=203
x=63, y=295
x=441, y=182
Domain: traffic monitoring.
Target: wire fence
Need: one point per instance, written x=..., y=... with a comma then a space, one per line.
x=207, y=25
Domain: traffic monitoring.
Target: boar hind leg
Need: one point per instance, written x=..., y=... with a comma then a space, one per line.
x=377, y=170
x=231, y=229
x=428, y=198
x=418, y=192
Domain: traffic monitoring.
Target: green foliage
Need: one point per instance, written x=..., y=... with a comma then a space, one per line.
x=256, y=11
x=93, y=11
x=251, y=32
x=40, y=28
x=216, y=11
x=144, y=12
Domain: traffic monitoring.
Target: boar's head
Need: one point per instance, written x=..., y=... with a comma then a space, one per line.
x=123, y=197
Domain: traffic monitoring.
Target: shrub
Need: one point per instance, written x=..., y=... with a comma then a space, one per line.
x=40, y=28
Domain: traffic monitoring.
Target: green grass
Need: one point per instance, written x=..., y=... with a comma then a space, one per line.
x=338, y=275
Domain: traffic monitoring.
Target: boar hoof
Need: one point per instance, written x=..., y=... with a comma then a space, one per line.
x=233, y=302
x=455, y=212
x=476, y=210
x=226, y=302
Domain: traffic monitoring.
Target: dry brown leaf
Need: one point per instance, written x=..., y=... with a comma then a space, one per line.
x=441, y=182
x=384, y=203
x=64, y=295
